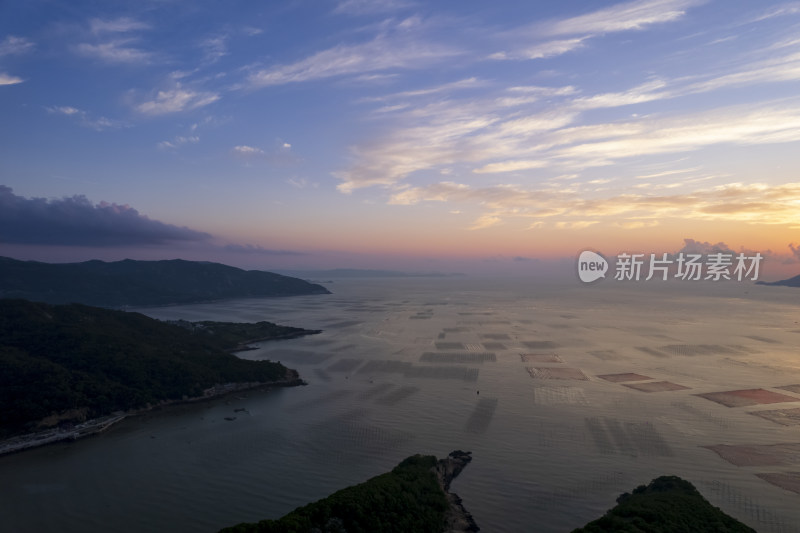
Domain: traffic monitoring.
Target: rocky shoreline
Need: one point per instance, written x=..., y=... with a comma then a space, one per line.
x=457, y=518
x=94, y=426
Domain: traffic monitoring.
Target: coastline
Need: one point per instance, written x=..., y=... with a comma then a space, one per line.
x=457, y=518
x=94, y=426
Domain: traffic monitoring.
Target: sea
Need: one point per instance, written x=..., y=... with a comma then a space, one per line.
x=567, y=395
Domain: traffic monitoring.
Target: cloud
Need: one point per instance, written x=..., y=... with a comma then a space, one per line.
x=115, y=42
x=116, y=51
x=795, y=250
x=570, y=208
x=370, y=7
x=467, y=83
x=497, y=138
x=627, y=16
x=75, y=221
x=381, y=53
x=543, y=38
x=118, y=25
x=792, y=8
x=248, y=150
x=251, y=249
x=215, y=48
x=6, y=79
x=543, y=50
x=509, y=166
x=86, y=119
x=13, y=45
x=691, y=246
x=485, y=221
x=178, y=141
x=176, y=100
x=297, y=183
x=739, y=125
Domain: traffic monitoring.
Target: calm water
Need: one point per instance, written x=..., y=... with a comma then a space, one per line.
x=397, y=371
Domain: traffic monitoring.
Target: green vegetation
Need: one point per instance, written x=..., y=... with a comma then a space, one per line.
x=237, y=335
x=141, y=283
x=88, y=361
x=668, y=504
x=409, y=498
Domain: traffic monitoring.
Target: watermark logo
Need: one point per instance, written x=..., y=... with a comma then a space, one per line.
x=591, y=266
x=684, y=266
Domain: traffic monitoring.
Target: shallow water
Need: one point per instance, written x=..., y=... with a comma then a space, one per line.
x=408, y=366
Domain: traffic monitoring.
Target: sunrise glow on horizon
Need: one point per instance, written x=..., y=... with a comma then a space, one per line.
x=398, y=134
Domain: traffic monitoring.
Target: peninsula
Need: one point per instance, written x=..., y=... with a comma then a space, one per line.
x=414, y=496
x=132, y=283
x=66, y=366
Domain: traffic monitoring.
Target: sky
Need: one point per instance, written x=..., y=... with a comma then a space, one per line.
x=431, y=136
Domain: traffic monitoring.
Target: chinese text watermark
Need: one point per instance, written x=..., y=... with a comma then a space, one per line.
x=683, y=266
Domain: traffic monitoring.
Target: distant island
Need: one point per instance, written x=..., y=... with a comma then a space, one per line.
x=64, y=365
x=363, y=273
x=791, y=282
x=668, y=504
x=413, y=497
x=141, y=283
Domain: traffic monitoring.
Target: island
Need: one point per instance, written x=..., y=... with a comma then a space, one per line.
x=67, y=371
x=130, y=283
x=668, y=504
x=414, y=496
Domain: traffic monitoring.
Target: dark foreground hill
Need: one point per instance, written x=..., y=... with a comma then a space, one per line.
x=668, y=504
x=69, y=363
x=141, y=283
x=413, y=497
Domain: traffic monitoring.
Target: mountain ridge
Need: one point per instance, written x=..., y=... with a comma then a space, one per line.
x=134, y=283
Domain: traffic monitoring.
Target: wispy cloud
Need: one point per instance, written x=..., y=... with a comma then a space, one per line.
x=115, y=42
x=86, y=119
x=510, y=166
x=178, y=141
x=512, y=131
x=117, y=51
x=7, y=79
x=467, y=83
x=545, y=40
x=627, y=16
x=564, y=209
x=176, y=100
x=370, y=7
x=790, y=8
x=215, y=48
x=117, y=25
x=770, y=123
x=255, y=249
x=379, y=54
x=13, y=45
x=542, y=50
x=247, y=150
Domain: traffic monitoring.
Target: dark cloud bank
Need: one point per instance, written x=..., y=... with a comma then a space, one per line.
x=75, y=221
